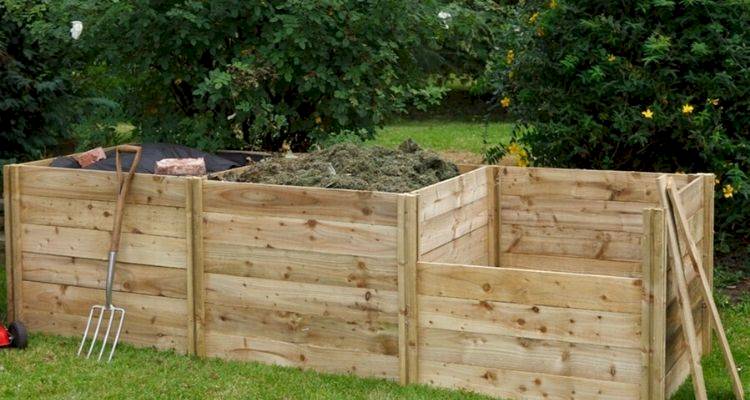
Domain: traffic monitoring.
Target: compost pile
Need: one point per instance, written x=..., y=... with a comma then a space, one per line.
x=349, y=166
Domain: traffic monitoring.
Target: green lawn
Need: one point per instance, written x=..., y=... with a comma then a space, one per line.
x=48, y=369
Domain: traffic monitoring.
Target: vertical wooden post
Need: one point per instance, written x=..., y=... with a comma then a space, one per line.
x=8, y=226
x=408, y=237
x=493, y=212
x=16, y=239
x=654, y=308
x=709, y=181
x=195, y=279
x=189, y=261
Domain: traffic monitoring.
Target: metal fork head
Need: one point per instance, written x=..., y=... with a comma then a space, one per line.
x=115, y=315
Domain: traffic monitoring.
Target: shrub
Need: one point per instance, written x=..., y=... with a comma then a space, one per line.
x=257, y=73
x=645, y=85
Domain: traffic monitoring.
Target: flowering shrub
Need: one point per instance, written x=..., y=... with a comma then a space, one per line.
x=644, y=85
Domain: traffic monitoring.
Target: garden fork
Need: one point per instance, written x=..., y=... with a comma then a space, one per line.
x=123, y=184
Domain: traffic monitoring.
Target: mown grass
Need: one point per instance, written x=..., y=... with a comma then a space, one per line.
x=444, y=135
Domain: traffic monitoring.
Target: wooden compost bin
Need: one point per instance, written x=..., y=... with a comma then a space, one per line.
x=525, y=283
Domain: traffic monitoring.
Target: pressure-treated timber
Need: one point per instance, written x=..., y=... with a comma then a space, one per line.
x=407, y=253
x=684, y=232
x=679, y=281
x=17, y=239
x=8, y=229
x=197, y=305
x=653, y=317
x=707, y=246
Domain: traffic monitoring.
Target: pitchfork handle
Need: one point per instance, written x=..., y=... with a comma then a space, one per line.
x=123, y=185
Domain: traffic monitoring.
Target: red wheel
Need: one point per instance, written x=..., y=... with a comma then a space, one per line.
x=18, y=334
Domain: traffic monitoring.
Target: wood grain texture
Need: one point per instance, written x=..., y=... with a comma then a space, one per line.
x=653, y=317
x=301, y=266
x=470, y=248
x=313, y=235
x=323, y=359
x=450, y=226
x=531, y=355
x=530, y=321
x=451, y=194
x=629, y=269
x=505, y=383
x=134, y=248
x=83, y=272
x=707, y=246
x=99, y=215
x=198, y=304
x=17, y=239
x=8, y=237
x=605, y=293
x=407, y=255
x=101, y=185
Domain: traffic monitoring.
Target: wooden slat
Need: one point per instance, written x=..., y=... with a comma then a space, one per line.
x=470, y=248
x=131, y=278
x=301, y=266
x=653, y=317
x=198, y=267
x=137, y=249
x=678, y=374
x=99, y=215
x=338, y=302
x=189, y=215
x=8, y=237
x=565, y=203
x=454, y=193
x=583, y=184
x=299, y=234
x=101, y=185
x=531, y=355
x=291, y=327
x=300, y=202
x=504, y=383
x=675, y=343
x=304, y=356
x=691, y=196
x=407, y=254
x=570, y=242
x=619, y=222
x=630, y=269
x=707, y=247
x=450, y=226
x=493, y=217
x=593, y=292
x=17, y=239
x=535, y=322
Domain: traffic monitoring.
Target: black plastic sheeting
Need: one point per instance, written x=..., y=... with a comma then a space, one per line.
x=151, y=153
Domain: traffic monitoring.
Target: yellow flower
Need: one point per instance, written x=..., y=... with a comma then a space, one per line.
x=553, y=4
x=611, y=58
x=534, y=17
x=648, y=114
x=687, y=109
x=728, y=191
x=505, y=102
x=520, y=154
x=509, y=57
x=715, y=102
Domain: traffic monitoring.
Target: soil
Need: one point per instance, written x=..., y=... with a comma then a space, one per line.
x=349, y=166
x=738, y=291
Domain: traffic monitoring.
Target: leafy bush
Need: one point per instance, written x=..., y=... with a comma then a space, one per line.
x=645, y=85
x=256, y=73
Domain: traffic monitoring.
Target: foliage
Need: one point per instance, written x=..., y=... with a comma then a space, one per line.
x=645, y=85
x=255, y=74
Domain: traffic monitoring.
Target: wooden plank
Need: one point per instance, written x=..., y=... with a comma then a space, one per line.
x=301, y=266
x=493, y=217
x=691, y=196
x=583, y=184
x=17, y=239
x=607, y=363
x=323, y=359
x=593, y=292
x=454, y=193
x=697, y=261
x=678, y=280
x=408, y=251
x=707, y=248
x=99, y=215
x=198, y=267
x=136, y=249
x=535, y=322
x=630, y=269
x=131, y=278
x=505, y=383
x=450, y=226
x=464, y=168
x=675, y=343
x=342, y=205
x=470, y=248
x=189, y=263
x=570, y=242
x=300, y=234
x=291, y=327
x=337, y=302
x=101, y=185
x=653, y=322
x=619, y=222
x=565, y=203
x=8, y=237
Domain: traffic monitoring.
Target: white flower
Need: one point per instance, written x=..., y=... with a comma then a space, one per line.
x=444, y=15
x=76, y=29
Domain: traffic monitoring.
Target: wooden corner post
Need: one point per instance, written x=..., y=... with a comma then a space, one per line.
x=408, y=237
x=195, y=287
x=8, y=226
x=493, y=211
x=709, y=180
x=654, y=305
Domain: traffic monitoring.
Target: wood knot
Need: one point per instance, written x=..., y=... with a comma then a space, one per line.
x=486, y=287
